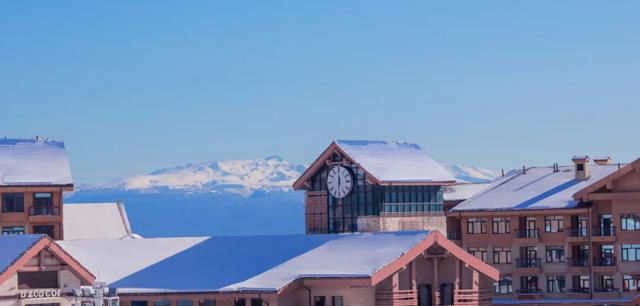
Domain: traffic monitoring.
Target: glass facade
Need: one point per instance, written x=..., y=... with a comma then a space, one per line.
x=367, y=199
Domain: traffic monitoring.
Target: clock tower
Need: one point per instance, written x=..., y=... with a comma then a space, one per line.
x=357, y=185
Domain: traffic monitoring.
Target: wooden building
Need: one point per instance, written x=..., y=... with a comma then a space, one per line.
x=34, y=174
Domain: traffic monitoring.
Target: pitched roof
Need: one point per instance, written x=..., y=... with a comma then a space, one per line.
x=17, y=250
x=13, y=247
x=386, y=162
x=539, y=188
x=463, y=191
x=33, y=162
x=252, y=263
x=96, y=221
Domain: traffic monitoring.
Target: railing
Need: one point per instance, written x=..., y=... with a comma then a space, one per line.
x=44, y=211
x=472, y=297
x=603, y=231
x=527, y=233
x=579, y=262
x=606, y=290
x=577, y=232
x=528, y=263
x=413, y=208
x=453, y=235
x=396, y=298
x=604, y=261
x=578, y=290
x=528, y=291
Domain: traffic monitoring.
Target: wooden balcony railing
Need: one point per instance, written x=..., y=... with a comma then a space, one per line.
x=396, y=298
x=470, y=297
x=44, y=211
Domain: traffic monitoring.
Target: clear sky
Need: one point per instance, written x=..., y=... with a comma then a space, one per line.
x=133, y=86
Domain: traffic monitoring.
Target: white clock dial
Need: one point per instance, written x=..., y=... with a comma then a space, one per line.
x=339, y=182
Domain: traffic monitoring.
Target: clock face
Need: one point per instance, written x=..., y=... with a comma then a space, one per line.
x=339, y=182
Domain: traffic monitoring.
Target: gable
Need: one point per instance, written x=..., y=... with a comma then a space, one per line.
x=384, y=162
x=39, y=253
x=625, y=180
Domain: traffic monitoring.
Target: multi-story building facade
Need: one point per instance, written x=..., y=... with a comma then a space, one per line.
x=558, y=233
x=360, y=185
x=34, y=174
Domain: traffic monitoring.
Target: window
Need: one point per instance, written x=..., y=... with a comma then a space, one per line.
x=579, y=167
x=206, y=302
x=631, y=282
x=501, y=225
x=42, y=199
x=477, y=226
x=529, y=283
x=479, y=253
x=13, y=202
x=13, y=230
x=630, y=222
x=503, y=286
x=555, y=284
x=581, y=282
x=502, y=255
x=553, y=224
x=38, y=280
x=319, y=301
x=162, y=303
x=607, y=281
x=44, y=229
x=139, y=303
x=337, y=301
x=184, y=303
x=256, y=302
x=555, y=253
x=239, y=302
x=630, y=252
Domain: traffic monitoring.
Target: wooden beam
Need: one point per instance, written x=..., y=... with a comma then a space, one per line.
x=614, y=196
x=43, y=268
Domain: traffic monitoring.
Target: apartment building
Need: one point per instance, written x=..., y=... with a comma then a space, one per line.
x=561, y=234
x=34, y=174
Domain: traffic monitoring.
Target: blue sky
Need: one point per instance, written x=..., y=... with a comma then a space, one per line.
x=133, y=86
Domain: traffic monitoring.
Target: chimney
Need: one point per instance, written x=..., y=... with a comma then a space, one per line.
x=582, y=167
x=601, y=161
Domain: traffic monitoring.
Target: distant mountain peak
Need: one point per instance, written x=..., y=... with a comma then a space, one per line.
x=242, y=177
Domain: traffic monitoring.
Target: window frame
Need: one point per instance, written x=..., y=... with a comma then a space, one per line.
x=553, y=224
x=497, y=252
x=476, y=225
x=557, y=250
x=15, y=206
x=501, y=225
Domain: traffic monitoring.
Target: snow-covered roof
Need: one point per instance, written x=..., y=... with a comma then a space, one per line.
x=13, y=247
x=462, y=191
x=33, y=162
x=395, y=161
x=96, y=221
x=539, y=188
x=265, y=263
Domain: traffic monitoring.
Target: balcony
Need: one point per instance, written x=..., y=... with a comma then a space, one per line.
x=527, y=233
x=606, y=290
x=603, y=233
x=608, y=261
x=453, y=236
x=44, y=211
x=578, y=290
x=577, y=232
x=396, y=298
x=528, y=263
x=578, y=262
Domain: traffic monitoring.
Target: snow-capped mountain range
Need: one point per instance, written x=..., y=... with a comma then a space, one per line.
x=243, y=177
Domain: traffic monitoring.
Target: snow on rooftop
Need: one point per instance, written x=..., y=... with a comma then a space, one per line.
x=112, y=259
x=539, y=188
x=395, y=161
x=264, y=263
x=96, y=221
x=33, y=162
x=464, y=191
